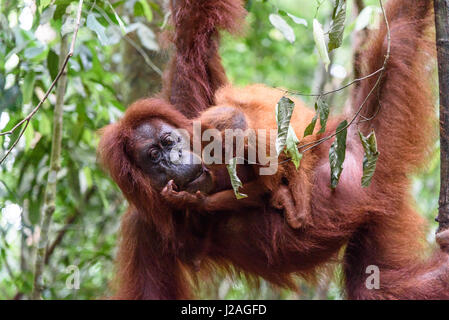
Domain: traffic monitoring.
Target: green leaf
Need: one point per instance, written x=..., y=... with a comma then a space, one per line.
x=61, y=8
x=147, y=37
x=284, y=111
x=279, y=23
x=298, y=20
x=370, y=158
x=318, y=35
x=286, y=138
x=337, y=153
x=29, y=136
x=367, y=17
x=28, y=87
x=294, y=18
x=87, y=172
x=2, y=82
x=34, y=52
x=93, y=24
x=322, y=109
x=142, y=7
x=292, y=147
x=338, y=25
x=61, y=2
x=311, y=126
x=235, y=181
x=43, y=4
x=68, y=26
x=11, y=99
x=282, y=12
x=44, y=125
x=53, y=64
x=119, y=20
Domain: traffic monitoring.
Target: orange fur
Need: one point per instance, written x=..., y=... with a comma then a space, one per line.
x=162, y=245
x=289, y=189
x=195, y=72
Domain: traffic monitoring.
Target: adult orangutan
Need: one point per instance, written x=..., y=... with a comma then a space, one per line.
x=184, y=218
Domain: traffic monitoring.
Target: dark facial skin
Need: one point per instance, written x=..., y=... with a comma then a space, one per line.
x=154, y=143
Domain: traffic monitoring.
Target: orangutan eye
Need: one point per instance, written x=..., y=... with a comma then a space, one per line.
x=154, y=154
x=168, y=140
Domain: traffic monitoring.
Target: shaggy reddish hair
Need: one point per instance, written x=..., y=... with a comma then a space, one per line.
x=162, y=248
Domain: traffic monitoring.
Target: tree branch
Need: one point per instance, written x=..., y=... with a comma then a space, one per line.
x=69, y=221
x=50, y=190
x=323, y=94
x=358, y=39
x=25, y=121
x=128, y=39
x=442, y=41
x=313, y=144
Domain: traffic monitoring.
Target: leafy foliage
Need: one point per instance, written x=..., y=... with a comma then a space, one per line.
x=291, y=147
x=235, y=181
x=29, y=57
x=320, y=42
x=279, y=23
x=337, y=153
x=284, y=111
x=84, y=191
x=338, y=25
x=322, y=109
x=286, y=138
x=370, y=158
x=309, y=129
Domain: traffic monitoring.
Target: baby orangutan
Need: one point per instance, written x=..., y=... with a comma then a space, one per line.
x=238, y=114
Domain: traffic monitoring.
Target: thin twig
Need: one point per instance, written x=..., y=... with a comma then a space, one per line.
x=365, y=119
x=442, y=44
x=297, y=93
x=15, y=142
x=381, y=71
x=49, y=204
x=69, y=221
x=28, y=118
x=139, y=49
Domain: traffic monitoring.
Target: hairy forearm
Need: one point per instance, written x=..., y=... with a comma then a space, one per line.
x=226, y=200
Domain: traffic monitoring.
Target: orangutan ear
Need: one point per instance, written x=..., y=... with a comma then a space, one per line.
x=112, y=154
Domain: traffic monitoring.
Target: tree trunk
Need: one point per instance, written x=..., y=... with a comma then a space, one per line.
x=50, y=189
x=140, y=80
x=358, y=40
x=442, y=41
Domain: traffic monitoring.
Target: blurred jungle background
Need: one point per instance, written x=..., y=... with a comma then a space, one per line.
x=119, y=57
